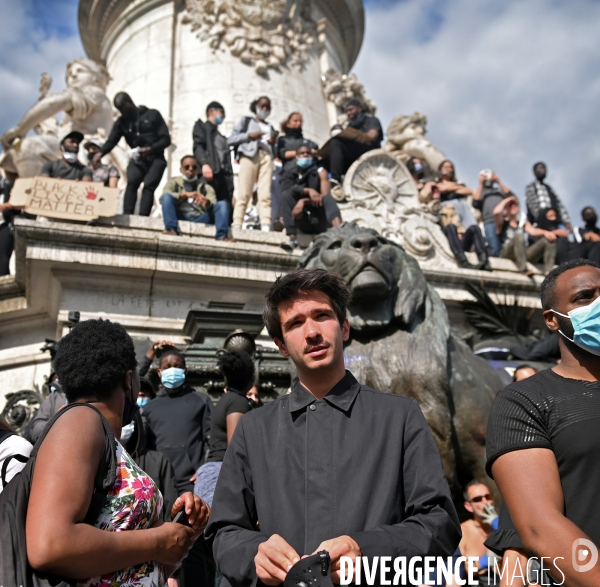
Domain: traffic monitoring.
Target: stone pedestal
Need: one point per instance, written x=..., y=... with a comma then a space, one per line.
x=125, y=269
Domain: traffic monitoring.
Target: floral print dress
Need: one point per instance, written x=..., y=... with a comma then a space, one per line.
x=133, y=503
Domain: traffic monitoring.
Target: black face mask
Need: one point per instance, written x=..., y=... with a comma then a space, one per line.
x=294, y=132
x=90, y=156
x=590, y=221
x=129, y=410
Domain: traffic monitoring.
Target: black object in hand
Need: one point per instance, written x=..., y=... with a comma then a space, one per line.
x=181, y=518
x=312, y=571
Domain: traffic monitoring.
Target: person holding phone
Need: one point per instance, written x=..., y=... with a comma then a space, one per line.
x=253, y=139
x=128, y=542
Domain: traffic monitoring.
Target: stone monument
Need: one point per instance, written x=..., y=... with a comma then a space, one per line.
x=177, y=56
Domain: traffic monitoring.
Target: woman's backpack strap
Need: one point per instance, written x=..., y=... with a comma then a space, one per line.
x=107, y=469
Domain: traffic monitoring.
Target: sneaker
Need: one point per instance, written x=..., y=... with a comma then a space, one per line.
x=337, y=191
x=290, y=245
x=171, y=232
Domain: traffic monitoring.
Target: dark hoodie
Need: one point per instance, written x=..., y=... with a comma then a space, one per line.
x=155, y=464
x=147, y=129
x=177, y=424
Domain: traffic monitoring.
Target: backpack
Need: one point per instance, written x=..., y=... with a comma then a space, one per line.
x=14, y=499
x=4, y=435
x=244, y=128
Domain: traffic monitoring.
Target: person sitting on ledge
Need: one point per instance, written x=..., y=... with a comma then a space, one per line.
x=344, y=152
x=68, y=166
x=108, y=175
x=306, y=201
x=512, y=226
x=187, y=198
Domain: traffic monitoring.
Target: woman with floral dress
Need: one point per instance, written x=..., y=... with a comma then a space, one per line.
x=128, y=542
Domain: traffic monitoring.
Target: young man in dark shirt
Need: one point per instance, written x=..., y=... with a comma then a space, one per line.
x=587, y=237
x=306, y=201
x=147, y=134
x=344, y=152
x=212, y=152
x=68, y=166
x=543, y=437
x=334, y=465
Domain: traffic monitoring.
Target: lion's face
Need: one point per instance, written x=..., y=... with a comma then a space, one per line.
x=378, y=272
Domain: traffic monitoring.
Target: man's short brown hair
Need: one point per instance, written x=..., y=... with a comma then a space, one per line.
x=298, y=282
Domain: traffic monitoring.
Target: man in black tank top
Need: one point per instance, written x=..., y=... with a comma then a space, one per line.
x=543, y=438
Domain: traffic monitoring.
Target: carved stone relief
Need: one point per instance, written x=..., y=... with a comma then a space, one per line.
x=381, y=194
x=262, y=33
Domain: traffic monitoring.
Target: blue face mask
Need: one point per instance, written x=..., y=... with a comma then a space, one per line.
x=173, y=377
x=219, y=119
x=304, y=162
x=142, y=401
x=586, y=327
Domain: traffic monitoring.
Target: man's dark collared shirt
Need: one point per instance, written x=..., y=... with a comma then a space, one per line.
x=358, y=463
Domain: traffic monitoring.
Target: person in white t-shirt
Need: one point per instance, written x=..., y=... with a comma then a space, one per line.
x=14, y=450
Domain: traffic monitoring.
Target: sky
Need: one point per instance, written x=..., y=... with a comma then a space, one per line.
x=503, y=84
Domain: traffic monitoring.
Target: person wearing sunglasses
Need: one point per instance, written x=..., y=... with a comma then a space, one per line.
x=187, y=198
x=480, y=503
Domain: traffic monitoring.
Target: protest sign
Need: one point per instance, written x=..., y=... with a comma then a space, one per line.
x=63, y=198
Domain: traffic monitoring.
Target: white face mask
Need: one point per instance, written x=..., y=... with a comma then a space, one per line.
x=70, y=157
x=262, y=114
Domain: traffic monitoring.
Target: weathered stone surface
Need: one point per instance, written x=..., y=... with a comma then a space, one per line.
x=125, y=269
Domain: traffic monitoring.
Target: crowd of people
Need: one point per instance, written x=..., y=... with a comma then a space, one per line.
x=331, y=466
x=491, y=222
x=283, y=183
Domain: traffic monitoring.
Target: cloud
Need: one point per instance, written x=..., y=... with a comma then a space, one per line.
x=503, y=84
x=37, y=36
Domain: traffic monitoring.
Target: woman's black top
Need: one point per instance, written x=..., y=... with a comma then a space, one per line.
x=231, y=403
x=292, y=140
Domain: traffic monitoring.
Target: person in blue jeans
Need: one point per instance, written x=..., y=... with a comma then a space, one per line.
x=489, y=193
x=187, y=198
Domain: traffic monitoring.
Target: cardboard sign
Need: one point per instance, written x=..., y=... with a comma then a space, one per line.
x=348, y=133
x=63, y=198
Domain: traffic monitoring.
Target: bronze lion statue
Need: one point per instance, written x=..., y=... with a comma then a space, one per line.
x=400, y=342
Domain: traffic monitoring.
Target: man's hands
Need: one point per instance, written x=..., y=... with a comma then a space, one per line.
x=592, y=236
x=298, y=209
x=257, y=134
x=561, y=232
x=274, y=559
x=201, y=200
x=144, y=151
x=207, y=172
x=273, y=138
x=550, y=236
x=337, y=548
x=196, y=510
x=316, y=199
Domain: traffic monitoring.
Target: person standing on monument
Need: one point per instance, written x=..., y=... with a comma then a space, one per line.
x=212, y=153
x=68, y=166
x=539, y=196
x=333, y=465
x=344, y=152
x=147, y=134
x=253, y=139
x=291, y=140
